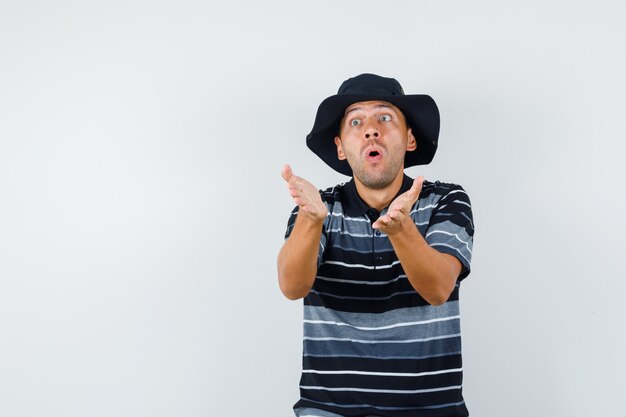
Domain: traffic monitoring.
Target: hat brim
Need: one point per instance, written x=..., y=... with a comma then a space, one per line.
x=420, y=111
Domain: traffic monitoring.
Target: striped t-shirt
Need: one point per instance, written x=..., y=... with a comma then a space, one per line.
x=372, y=345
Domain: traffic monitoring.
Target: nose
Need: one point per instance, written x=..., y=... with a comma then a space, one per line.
x=371, y=132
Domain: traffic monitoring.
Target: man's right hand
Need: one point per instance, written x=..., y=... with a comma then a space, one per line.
x=305, y=195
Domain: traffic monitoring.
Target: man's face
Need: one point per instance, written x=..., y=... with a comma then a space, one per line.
x=373, y=138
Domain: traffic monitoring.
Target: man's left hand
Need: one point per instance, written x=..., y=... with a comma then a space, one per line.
x=399, y=209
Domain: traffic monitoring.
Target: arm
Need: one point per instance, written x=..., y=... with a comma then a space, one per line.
x=297, y=259
x=431, y=273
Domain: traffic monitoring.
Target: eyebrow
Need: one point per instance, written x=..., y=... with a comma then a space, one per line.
x=387, y=106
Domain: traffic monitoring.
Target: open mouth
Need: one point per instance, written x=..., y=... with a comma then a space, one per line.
x=373, y=155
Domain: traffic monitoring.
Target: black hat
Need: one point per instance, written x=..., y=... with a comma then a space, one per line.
x=420, y=111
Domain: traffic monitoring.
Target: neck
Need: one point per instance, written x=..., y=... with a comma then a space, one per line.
x=379, y=199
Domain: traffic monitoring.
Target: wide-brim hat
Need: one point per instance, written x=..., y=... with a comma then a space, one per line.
x=420, y=111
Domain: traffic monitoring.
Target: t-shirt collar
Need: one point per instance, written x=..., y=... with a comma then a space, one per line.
x=354, y=206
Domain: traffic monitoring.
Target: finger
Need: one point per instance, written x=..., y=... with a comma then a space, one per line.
x=415, y=189
x=383, y=220
x=287, y=173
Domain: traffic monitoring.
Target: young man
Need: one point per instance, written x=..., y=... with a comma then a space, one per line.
x=378, y=261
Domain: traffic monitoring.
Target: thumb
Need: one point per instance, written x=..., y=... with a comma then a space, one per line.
x=287, y=173
x=416, y=188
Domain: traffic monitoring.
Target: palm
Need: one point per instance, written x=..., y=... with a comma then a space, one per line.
x=305, y=195
x=399, y=209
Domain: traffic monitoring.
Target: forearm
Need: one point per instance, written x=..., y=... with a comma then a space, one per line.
x=297, y=259
x=431, y=273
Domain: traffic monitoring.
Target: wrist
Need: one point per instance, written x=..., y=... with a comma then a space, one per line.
x=310, y=220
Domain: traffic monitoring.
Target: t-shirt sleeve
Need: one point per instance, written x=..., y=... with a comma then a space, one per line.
x=322, y=245
x=451, y=227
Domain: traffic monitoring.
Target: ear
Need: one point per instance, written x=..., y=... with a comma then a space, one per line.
x=411, y=143
x=340, y=153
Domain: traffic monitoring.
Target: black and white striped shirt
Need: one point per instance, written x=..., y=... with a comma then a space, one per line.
x=372, y=345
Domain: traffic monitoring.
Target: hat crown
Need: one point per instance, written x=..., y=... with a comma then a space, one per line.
x=371, y=84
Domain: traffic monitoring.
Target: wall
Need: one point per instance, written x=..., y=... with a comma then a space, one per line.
x=142, y=209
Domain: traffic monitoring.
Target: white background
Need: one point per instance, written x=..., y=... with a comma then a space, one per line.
x=142, y=208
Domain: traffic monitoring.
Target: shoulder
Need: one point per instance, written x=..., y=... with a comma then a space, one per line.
x=439, y=188
x=437, y=191
x=334, y=194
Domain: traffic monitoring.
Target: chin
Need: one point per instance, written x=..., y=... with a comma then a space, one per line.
x=377, y=179
x=377, y=183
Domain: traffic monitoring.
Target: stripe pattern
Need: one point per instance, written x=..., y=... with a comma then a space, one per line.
x=372, y=346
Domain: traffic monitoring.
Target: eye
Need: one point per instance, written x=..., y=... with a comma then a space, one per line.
x=385, y=118
x=355, y=122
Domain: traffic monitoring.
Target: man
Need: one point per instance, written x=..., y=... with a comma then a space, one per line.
x=378, y=261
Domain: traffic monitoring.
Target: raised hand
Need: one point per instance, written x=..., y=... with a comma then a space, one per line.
x=305, y=195
x=399, y=209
